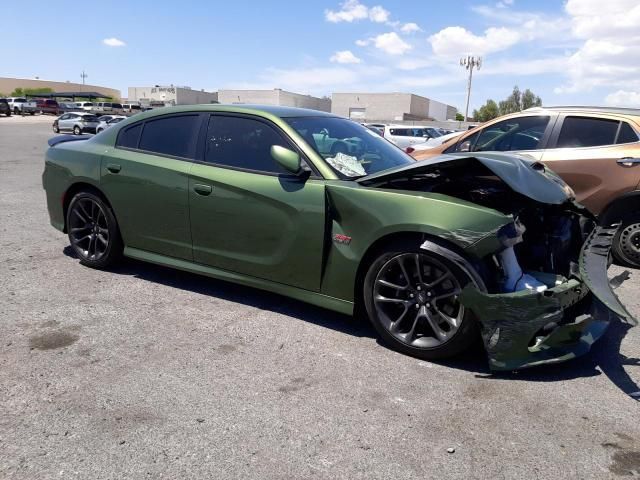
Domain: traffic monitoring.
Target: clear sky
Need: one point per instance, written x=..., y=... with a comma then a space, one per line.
x=568, y=52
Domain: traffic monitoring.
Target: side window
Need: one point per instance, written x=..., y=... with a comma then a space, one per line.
x=627, y=134
x=523, y=133
x=242, y=143
x=129, y=136
x=587, y=132
x=175, y=136
x=464, y=145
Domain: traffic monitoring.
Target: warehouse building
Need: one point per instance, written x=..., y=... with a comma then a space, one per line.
x=389, y=107
x=159, y=95
x=277, y=96
x=8, y=85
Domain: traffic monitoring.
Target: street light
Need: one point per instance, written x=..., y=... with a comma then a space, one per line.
x=83, y=76
x=470, y=62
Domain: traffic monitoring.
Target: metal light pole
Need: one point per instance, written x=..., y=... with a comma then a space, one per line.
x=470, y=63
x=83, y=76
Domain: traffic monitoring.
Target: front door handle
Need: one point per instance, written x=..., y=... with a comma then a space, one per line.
x=629, y=162
x=202, y=189
x=114, y=168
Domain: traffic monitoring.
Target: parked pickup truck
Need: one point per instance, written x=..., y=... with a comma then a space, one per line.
x=20, y=105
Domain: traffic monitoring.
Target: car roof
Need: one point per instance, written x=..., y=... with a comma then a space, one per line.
x=275, y=110
x=587, y=109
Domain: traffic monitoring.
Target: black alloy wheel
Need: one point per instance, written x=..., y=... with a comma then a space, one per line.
x=626, y=244
x=93, y=231
x=412, y=298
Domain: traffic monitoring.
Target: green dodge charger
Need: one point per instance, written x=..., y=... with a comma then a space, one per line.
x=319, y=208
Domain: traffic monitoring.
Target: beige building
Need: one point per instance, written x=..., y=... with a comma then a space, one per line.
x=8, y=85
x=277, y=96
x=389, y=107
x=170, y=95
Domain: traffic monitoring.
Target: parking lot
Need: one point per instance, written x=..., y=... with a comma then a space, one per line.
x=146, y=372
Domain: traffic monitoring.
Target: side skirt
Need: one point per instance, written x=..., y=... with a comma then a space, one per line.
x=314, y=298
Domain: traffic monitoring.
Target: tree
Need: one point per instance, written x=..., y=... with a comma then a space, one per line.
x=486, y=112
x=529, y=99
x=460, y=117
x=32, y=92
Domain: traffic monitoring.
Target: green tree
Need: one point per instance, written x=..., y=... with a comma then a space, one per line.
x=513, y=103
x=17, y=92
x=460, y=117
x=486, y=112
x=32, y=92
x=530, y=99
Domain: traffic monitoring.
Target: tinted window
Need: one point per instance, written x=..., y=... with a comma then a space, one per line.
x=587, y=132
x=523, y=133
x=627, y=134
x=174, y=136
x=243, y=143
x=129, y=136
x=464, y=145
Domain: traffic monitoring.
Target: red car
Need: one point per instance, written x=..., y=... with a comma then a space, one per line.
x=46, y=105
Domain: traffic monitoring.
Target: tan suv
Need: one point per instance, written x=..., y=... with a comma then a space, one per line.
x=595, y=150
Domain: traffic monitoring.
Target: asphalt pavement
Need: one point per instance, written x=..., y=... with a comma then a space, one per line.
x=146, y=372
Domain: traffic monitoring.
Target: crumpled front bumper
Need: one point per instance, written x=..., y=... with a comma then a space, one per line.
x=525, y=329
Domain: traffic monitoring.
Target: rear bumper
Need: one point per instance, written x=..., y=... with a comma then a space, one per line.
x=525, y=329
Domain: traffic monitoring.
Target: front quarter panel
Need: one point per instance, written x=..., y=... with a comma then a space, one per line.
x=367, y=215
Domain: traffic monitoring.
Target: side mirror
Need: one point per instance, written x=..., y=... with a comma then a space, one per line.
x=288, y=159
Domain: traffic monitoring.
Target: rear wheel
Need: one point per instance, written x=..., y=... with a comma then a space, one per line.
x=76, y=130
x=16, y=111
x=412, y=299
x=93, y=231
x=626, y=244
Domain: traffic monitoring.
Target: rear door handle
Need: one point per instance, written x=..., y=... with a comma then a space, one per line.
x=202, y=189
x=629, y=162
x=114, y=168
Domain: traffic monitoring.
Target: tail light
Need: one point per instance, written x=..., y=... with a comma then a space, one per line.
x=409, y=150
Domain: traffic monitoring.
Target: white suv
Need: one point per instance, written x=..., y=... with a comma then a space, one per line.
x=406, y=136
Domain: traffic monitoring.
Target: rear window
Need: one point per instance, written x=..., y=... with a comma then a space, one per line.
x=51, y=102
x=116, y=105
x=175, y=136
x=587, y=132
x=87, y=104
x=627, y=134
x=90, y=118
x=129, y=136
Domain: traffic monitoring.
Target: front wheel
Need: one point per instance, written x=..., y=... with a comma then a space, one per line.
x=626, y=244
x=412, y=299
x=56, y=129
x=16, y=111
x=93, y=231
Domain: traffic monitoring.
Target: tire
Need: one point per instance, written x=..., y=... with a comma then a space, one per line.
x=9, y=113
x=410, y=319
x=16, y=111
x=93, y=231
x=56, y=129
x=76, y=130
x=626, y=244
x=32, y=113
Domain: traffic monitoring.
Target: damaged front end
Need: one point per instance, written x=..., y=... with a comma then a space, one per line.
x=530, y=327
x=545, y=295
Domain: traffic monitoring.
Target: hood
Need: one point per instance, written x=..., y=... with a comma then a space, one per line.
x=521, y=173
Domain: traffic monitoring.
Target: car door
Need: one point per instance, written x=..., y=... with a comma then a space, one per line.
x=146, y=177
x=598, y=156
x=248, y=214
x=65, y=122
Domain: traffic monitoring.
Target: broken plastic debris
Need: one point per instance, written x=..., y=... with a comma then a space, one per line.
x=347, y=165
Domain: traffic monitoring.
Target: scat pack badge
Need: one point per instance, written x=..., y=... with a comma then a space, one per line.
x=340, y=238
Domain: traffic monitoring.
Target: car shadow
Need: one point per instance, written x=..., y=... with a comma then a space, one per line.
x=231, y=292
x=605, y=356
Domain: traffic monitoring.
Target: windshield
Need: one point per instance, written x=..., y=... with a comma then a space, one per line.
x=349, y=148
